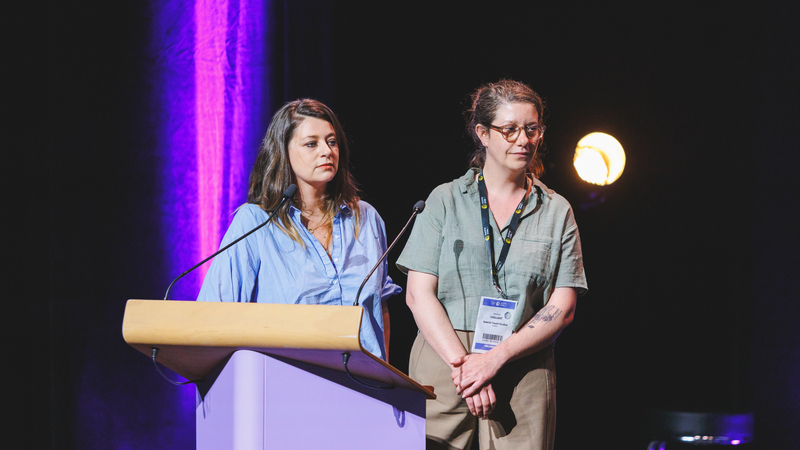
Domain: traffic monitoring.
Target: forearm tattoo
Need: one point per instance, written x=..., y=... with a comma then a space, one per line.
x=546, y=314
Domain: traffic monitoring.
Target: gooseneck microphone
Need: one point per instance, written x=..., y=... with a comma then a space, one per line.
x=418, y=208
x=287, y=194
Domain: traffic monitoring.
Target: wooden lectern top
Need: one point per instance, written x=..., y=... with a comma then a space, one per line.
x=195, y=337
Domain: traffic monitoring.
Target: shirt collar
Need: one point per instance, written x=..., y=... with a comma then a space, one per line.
x=293, y=211
x=468, y=185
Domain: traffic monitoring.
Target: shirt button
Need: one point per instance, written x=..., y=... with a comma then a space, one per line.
x=335, y=259
x=333, y=282
x=336, y=236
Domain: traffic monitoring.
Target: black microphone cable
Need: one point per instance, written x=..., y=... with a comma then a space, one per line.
x=163, y=375
x=345, y=359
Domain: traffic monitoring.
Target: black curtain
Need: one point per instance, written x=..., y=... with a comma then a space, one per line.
x=690, y=256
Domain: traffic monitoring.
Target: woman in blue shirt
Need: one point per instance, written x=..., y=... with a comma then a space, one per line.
x=320, y=248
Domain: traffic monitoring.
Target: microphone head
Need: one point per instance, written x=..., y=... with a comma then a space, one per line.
x=419, y=206
x=290, y=191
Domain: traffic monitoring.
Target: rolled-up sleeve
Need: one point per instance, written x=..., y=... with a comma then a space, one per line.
x=570, y=272
x=423, y=248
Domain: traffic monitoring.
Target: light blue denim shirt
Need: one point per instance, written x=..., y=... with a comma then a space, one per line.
x=269, y=267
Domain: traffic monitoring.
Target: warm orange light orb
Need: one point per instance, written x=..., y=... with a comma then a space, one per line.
x=599, y=159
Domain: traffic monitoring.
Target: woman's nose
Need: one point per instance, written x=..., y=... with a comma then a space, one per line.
x=523, y=139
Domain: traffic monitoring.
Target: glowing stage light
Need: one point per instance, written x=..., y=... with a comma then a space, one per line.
x=599, y=159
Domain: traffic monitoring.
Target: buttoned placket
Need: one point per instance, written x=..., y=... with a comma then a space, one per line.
x=331, y=263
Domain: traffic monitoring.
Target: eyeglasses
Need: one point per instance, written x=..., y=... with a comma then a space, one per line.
x=511, y=133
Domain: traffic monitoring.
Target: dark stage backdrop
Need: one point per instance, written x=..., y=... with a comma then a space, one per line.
x=690, y=256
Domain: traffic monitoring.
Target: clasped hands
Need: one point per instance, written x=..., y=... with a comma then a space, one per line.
x=472, y=375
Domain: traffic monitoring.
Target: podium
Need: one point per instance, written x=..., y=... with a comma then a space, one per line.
x=273, y=375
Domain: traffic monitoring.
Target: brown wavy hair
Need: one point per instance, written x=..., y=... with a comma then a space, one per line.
x=272, y=173
x=486, y=100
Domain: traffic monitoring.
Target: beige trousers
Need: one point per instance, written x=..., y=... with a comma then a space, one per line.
x=525, y=415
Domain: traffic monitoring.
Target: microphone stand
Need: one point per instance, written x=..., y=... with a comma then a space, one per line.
x=418, y=208
x=287, y=194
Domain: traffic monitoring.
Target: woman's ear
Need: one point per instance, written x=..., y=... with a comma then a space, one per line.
x=483, y=134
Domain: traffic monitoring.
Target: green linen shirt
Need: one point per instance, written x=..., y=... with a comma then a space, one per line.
x=447, y=241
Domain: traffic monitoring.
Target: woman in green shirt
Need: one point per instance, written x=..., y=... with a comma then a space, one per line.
x=517, y=283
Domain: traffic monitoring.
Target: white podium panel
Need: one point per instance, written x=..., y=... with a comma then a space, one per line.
x=262, y=402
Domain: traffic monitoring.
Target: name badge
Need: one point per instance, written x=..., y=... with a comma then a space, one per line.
x=494, y=323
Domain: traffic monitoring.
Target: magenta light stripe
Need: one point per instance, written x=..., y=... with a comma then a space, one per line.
x=246, y=107
x=210, y=55
x=228, y=79
x=211, y=67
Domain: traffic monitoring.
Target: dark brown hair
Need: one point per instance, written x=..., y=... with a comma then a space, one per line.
x=272, y=173
x=486, y=100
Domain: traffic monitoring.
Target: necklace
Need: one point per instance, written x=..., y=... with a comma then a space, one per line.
x=321, y=231
x=324, y=222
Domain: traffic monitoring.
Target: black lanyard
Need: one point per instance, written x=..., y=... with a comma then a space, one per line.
x=487, y=233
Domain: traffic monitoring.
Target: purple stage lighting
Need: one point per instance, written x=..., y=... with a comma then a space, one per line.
x=210, y=78
x=212, y=82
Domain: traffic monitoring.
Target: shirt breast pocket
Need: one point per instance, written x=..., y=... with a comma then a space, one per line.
x=532, y=257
